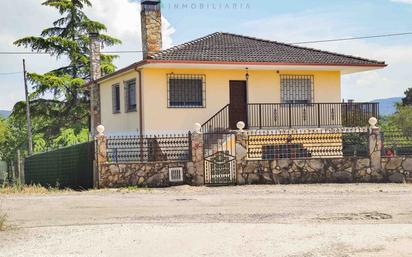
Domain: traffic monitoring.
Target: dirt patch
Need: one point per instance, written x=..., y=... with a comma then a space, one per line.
x=365, y=216
x=297, y=220
x=3, y=222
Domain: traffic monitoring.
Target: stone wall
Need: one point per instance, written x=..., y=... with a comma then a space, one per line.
x=373, y=169
x=154, y=174
x=149, y=174
x=343, y=170
x=397, y=169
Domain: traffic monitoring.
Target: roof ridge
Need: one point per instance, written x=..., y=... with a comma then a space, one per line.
x=302, y=47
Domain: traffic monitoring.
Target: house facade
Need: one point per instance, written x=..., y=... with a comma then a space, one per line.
x=221, y=79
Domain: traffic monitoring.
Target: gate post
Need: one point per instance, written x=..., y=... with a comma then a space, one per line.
x=375, y=146
x=241, y=155
x=196, y=167
x=101, y=155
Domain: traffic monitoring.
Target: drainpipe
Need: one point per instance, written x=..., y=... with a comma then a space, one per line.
x=139, y=71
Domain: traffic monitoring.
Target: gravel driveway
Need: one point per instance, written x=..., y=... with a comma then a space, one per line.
x=301, y=220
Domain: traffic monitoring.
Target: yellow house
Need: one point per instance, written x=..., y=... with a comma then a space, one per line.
x=221, y=79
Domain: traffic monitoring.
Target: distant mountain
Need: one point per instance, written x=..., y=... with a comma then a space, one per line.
x=387, y=105
x=4, y=113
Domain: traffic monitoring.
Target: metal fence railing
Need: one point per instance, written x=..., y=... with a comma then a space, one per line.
x=302, y=144
x=315, y=115
x=396, y=142
x=149, y=148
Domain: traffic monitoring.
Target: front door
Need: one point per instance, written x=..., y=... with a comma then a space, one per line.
x=238, y=103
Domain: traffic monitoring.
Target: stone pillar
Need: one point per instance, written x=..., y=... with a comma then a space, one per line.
x=95, y=74
x=196, y=166
x=151, y=22
x=241, y=155
x=101, y=155
x=375, y=149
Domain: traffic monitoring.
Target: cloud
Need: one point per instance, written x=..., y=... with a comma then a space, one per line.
x=314, y=25
x=402, y=1
x=122, y=19
x=28, y=17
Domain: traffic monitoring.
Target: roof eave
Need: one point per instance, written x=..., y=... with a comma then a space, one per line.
x=116, y=73
x=380, y=65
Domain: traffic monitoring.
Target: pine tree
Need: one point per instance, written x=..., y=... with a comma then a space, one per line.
x=68, y=38
x=408, y=97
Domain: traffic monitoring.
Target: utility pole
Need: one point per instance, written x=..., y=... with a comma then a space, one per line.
x=29, y=134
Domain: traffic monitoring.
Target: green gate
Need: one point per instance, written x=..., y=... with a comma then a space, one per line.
x=70, y=167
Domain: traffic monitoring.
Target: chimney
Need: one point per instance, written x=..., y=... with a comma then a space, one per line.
x=95, y=74
x=95, y=45
x=151, y=27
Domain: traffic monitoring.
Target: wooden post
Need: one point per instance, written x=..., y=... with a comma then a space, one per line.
x=26, y=90
x=18, y=165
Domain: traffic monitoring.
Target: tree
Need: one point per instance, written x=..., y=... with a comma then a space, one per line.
x=67, y=38
x=408, y=97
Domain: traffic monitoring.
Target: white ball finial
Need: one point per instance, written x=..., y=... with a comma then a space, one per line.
x=373, y=121
x=100, y=129
x=198, y=128
x=241, y=125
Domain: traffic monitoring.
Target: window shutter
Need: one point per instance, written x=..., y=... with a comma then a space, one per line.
x=114, y=99
x=126, y=97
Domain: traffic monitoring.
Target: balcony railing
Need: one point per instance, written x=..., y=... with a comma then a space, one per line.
x=291, y=115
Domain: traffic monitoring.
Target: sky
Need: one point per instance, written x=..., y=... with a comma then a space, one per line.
x=184, y=20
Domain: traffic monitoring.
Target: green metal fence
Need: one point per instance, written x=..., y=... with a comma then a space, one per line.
x=3, y=171
x=67, y=167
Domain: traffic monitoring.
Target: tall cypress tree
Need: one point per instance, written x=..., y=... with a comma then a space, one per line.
x=58, y=100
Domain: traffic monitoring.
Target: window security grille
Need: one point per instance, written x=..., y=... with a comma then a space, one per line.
x=116, y=98
x=297, y=88
x=186, y=91
x=176, y=174
x=130, y=95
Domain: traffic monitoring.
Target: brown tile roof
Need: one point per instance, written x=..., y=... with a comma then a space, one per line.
x=226, y=47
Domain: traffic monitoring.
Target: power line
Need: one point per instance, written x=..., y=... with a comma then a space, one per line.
x=294, y=43
x=353, y=38
x=10, y=73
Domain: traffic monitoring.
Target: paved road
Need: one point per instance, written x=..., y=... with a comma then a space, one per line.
x=306, y=220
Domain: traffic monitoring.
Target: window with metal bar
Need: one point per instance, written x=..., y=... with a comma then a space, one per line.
x=186, y=91
x=130, y=96
x=116, y=98
x=296, y=88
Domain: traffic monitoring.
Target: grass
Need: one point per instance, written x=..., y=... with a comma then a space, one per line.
x=127, y=189
x=3, y=222
x=18, y=188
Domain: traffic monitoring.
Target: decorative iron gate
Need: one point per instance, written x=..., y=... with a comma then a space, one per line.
x=219, y=158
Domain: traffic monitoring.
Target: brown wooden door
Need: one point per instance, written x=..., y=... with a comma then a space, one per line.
x=238, y=103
